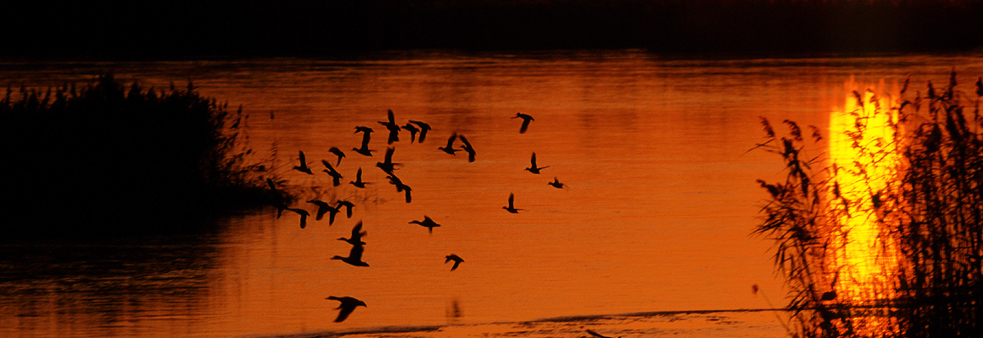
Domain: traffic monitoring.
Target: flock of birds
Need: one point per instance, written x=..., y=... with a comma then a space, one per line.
x=418, y=132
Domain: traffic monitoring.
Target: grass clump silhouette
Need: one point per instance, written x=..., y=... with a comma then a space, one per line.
x=112, y=158
x=918, y=185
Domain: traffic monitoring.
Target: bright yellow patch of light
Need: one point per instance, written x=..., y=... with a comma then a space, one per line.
x=863, y=255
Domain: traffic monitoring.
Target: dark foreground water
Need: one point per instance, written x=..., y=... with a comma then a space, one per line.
x=653, y=222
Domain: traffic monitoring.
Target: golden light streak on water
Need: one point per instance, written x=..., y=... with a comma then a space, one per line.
x=865, y=158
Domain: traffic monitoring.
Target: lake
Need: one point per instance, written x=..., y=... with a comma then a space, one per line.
x=650, y=235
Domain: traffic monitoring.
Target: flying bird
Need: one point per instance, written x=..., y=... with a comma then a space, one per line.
x=358, y=180
x=366, y=135
x=511, y=208
x=400, y=186
x=533, y=168
x=392, y=126
x=323, y=208
x=388, y=166
x=457, y=261
x=348, y=206
x=348, y=304
x=335, y=175
x=450, y=145
x=427, y=222
x=424, y=128
x=303, y=164
x=338, y=152
x=357, y=235
x=413, y=130
x=525, y=121
x=467, y=147
x=556, y=183
x=303, y=216
x=354, y=257
x=278, y=200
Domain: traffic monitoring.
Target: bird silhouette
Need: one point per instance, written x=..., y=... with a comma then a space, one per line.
x=400, y=186
x=323, y=208
x=427, y=222
x=354, y=257
x=467, y=147
x=357, y=235
x=348, y=304
x=348, y=207
x=303, y=216
x=335, y=175
x=413, y=130
x=366, y=135
x=388, y=166
x=424, y=128
x=452, y=257
x=556, y=183
x=525, y=121
x=303, y=164
x=392, y=126
x=406, y=190
x=511, y=208
x=450, y=145
x=358, y=180
x=533, y=168
x=278, y=200
x=339, y=153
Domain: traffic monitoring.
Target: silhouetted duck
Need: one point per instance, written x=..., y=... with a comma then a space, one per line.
x=364, y=150
x=363, y=129
x=511, y=208
x=413, y=130
x=322, y=208
x=424, y=128
x=450, y=145
x=278, y=200
x=467, y=147
x=533, y=168
x=335, y=175
x=347, y=305
x=354, y=257
x=388, y=166
x=427, y=222
x=338, y=152
x=303, y=216
x=357, y=235
x=392, y=126
x=400, y=186
x=556, y=183
x=303, y=164
x=348, y=206
x=457, y=261
x=358, y=180
x=525, y=121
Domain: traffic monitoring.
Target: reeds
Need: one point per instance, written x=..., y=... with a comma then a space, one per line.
x=918, y=185
x=108, y=157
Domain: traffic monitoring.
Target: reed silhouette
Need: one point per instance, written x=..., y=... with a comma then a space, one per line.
x=927, y=208
x=348, y=304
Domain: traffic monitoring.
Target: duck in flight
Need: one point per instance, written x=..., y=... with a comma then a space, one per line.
x=452, y=257
x=388, y=166
x=358, y=180
x=392, y=126
x=556, y=183
x=348, y=304
x=366, y=136
x=525, y=121
x=337, y=152
x=278, y=200
x=427, y=222
x=467, y=147
x=335, y=175
x=400, y=186
x=354, y=257
x=303, y=164
x=303, y=216
x=348, y=206
x=413, y=130
x=357, y=235
x=511, y=208
x=450, y=145
x=533, y=168
x=323, y=208
x=424, y=128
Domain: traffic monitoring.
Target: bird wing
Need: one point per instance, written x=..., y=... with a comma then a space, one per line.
x=358, y=175
x=456, y=264
x=533, y=160
x=327, y=165
x=303, y=160
x=392, y=117
x=525, y=125
x=346, y=309
x=511, y=199
x=389, y=155
x=450, y=141
x=357, y=232
x=465, y=141
x=356, y=253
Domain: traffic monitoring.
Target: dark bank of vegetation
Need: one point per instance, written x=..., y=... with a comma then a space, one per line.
x=185, y=28
x=929, y=217
x=112, y=158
